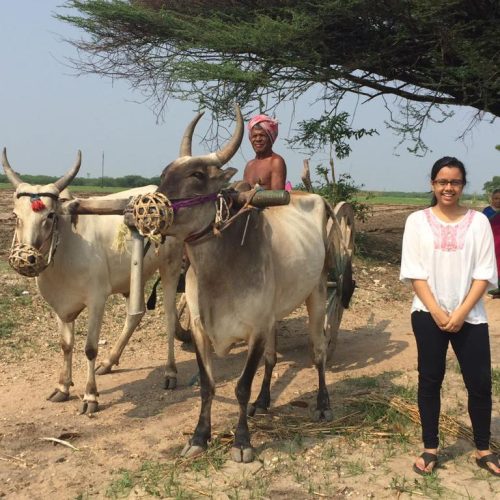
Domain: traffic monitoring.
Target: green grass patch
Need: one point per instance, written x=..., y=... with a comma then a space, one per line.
x=153, y=479
x=121, y=486
x=495, y=378
x=12, y=299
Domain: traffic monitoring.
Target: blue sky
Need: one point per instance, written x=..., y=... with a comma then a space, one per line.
x=47, y=113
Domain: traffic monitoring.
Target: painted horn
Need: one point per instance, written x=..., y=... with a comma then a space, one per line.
x=187, y=139
x=221, y=157
x=14, y=179
x=64, y=181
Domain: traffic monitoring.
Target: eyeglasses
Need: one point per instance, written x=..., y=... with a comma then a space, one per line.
x=445, y=182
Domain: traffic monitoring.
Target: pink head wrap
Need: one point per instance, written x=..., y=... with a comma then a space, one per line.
x=269, y=125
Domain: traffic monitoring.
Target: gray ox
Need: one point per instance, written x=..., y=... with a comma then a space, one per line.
x=237, y=292
x=86, y=269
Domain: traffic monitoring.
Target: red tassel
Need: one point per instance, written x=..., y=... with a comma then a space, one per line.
x=37, y=205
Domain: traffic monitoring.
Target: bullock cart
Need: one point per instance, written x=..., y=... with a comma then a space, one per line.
x=340, y=235
x=285, y=256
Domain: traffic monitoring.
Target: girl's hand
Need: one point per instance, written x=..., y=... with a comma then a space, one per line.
x=441, y=318
x=455, y=322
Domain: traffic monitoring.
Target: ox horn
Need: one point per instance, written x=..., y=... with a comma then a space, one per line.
x=14, y=179
x=187, y=139
x=222, y=156
x=64, y=181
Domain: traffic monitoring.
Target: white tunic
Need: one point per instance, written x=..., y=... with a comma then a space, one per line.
x=449, y=256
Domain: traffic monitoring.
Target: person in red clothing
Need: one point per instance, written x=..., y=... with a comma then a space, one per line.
x=493, y=214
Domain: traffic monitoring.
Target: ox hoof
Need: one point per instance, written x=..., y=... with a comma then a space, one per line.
x=322, y=415
x=191, y=450
x=89, y=407
x=103, y=369
x=170, y=383
x=57, y=396
x=254, y=409
x=242, y=455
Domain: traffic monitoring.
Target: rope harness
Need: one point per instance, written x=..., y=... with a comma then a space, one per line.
x=154, y=214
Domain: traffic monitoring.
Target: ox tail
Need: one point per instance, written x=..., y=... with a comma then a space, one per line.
x=181, y=288
x=151, y=304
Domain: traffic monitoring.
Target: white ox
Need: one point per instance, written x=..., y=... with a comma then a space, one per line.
x=85, y=269
x=237, y=292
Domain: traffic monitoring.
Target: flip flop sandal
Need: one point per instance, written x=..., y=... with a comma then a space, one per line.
x=428, y=459
x=488, y=459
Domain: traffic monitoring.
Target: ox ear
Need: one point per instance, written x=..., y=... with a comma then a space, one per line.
x=65, y=195
x=219, y=174
x=228, y=173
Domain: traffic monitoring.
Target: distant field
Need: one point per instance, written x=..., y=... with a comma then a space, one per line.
x=420, y=199
x=392, y=200
x=92, y=189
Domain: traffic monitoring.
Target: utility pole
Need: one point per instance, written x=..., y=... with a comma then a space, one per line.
x=102, y=170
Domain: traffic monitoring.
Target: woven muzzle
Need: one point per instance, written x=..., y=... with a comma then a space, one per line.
x=27, y=260
x=153, y=214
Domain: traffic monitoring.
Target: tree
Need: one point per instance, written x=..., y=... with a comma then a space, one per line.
x=420, y=56
x=333, y=132
x=490, y=186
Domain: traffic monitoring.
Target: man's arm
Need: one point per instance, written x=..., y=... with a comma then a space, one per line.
x=278, y=173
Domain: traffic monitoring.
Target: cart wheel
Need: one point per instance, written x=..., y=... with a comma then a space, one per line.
x=340, y=283
x=182, y=327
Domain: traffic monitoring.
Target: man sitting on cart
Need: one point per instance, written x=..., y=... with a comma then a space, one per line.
x=268, y=169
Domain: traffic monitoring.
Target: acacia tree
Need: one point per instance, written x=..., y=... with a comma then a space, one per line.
x=420, y=56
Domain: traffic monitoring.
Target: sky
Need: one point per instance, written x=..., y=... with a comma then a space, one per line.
x=47, y=113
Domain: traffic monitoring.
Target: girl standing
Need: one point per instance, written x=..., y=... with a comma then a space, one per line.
x=448, y=256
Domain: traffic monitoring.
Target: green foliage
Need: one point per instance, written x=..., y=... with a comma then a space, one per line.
x=343, y=190
x=331, y=131
x=424, y=53
x=127, y=182
x=490, y=186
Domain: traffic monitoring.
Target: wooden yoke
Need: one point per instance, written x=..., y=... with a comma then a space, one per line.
x=94, y=206
x=106, y=206
x=118, y=206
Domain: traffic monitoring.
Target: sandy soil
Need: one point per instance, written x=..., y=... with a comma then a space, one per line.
x=140, y=427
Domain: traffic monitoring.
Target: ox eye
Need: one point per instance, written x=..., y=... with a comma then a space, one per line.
x=198, y=175
x=51, y=215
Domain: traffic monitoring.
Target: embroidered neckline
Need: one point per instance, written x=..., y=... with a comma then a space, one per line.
x=449, y=236
x=449, y=223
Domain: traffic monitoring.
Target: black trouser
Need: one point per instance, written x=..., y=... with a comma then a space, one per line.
x=472, y=348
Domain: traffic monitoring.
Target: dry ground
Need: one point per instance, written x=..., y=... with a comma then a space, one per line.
x=129, y=449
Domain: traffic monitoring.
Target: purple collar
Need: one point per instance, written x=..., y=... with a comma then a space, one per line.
x=190, y=202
